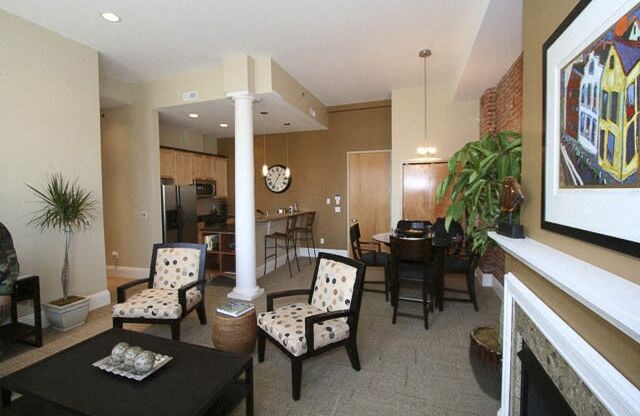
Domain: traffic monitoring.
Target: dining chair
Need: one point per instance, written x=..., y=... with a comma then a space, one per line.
x=372, y=257
x=463, y=261
x=305, y=232
x=412, y=266
x=175, y=287
x=285, y=240
x=328, y=318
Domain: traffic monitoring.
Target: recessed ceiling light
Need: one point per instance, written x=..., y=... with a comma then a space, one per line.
x=193, y=115
x=110, y=17
x=224, y=125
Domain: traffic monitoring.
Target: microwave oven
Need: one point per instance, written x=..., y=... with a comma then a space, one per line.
x=205, y=189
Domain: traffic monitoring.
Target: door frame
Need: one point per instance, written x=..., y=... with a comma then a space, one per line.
x=348, y=198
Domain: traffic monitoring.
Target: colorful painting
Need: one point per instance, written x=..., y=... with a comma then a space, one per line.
x=600, y=106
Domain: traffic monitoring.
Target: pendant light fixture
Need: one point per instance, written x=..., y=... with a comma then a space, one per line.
x=287, y=171
x=265, y=167
x=426, y=151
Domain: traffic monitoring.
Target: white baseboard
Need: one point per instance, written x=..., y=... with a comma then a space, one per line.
x=96, y=300
x=489, y=280
x=125, y=271
x=302, y=251
x=100, y=299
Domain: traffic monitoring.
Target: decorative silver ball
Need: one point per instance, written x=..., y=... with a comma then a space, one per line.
x=144, y=362
x=117, y=353
x=130, y=356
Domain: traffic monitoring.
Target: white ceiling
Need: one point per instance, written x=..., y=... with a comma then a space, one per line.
x=342, y=51
x=212, y=113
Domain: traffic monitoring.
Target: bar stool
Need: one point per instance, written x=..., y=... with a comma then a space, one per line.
x=307, y=234
x=289, y=240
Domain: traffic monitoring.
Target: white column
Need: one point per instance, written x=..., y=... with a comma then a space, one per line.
x=245, y=221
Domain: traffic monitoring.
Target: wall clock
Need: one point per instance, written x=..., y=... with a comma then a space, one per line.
x=276, y=180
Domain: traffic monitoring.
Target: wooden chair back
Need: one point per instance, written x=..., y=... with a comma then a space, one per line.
x=354, y=240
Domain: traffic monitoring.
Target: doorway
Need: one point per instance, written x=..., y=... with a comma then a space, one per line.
x=369, y=191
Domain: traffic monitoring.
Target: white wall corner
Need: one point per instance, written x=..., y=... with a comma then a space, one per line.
x=100, y=299
x=489, y=280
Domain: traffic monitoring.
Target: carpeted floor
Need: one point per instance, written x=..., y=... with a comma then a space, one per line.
x=406, y=370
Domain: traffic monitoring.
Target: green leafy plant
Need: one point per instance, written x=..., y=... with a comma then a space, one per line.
x=65, y=207
x=476, y=174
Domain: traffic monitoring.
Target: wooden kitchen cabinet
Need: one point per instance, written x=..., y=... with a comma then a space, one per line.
x=198, y=166
x=221, y=177
x=167, y=163
x=184, y=168
x=210, y=167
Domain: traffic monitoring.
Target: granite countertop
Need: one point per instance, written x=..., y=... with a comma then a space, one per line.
x=275, y=217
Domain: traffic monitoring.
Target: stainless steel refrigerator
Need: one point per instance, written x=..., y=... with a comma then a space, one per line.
x=179, y=214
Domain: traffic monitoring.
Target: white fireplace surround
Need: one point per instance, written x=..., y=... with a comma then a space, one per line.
x=608, y=295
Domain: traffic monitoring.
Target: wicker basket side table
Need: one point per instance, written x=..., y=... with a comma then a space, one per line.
x=236, y=335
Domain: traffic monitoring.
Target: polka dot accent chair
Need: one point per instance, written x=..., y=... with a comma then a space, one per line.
x=175, y=287
x=329, y=318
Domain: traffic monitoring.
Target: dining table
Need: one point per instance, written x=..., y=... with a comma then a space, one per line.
x=441, y=246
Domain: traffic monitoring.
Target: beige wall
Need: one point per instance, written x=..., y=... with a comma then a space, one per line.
x=541, y=18
x=451, y=124
x=50, y=122
x=318, y=161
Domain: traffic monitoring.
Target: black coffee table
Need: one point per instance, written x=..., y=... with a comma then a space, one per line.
x=198, y=381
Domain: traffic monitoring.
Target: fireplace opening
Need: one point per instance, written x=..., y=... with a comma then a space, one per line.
x=539, y=396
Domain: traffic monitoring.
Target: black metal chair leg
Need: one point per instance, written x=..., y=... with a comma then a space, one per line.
x=313, y=244
x=306, y=240
x=295, y=253
x=296, y=378
x=265, y=256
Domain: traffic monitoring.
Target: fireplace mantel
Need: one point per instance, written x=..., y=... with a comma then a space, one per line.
x=605, y=294
x=610, y=296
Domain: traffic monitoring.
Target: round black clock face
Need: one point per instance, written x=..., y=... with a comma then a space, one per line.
x=276, y=180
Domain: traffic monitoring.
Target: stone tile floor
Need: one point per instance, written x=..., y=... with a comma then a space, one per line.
x=406, y=370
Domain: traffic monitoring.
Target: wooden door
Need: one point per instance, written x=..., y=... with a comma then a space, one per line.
x=184, y=169
x=167, y=163
x=221, y=177
x=369, y=192
x=419, y=184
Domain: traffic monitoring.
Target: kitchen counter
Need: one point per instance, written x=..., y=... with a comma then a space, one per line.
x=275, y=217
x=221, y=228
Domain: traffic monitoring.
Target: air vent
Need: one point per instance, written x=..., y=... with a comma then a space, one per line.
x=189, y=95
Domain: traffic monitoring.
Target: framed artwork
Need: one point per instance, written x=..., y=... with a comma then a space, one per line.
x=591, y=113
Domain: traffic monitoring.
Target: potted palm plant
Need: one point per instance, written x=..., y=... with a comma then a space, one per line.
x=65, y=207
x=474, y=184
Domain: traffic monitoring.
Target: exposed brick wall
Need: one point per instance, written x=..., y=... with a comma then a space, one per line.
x=488, y=112
x=501, y=110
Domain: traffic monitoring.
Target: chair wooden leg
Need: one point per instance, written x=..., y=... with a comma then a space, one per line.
x=117, y=323
x=308, y=241
x=471, y=288
x=295, y=253
x=296, y=378
x=352, y=351
x=265, y=256
x=202, y=312
x=175, y=330
x=386, y=283
x=262, y=343
x=425, y=306
x=313, y=244
x=286, y=249
x=394, y=301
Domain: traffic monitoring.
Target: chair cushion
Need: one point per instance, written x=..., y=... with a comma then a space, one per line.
x=375, y=259
x=155, y=303
x=334, y=286
x=175, y=267
x=286, y=325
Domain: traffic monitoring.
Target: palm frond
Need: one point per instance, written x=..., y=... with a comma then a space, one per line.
x=63, y=205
